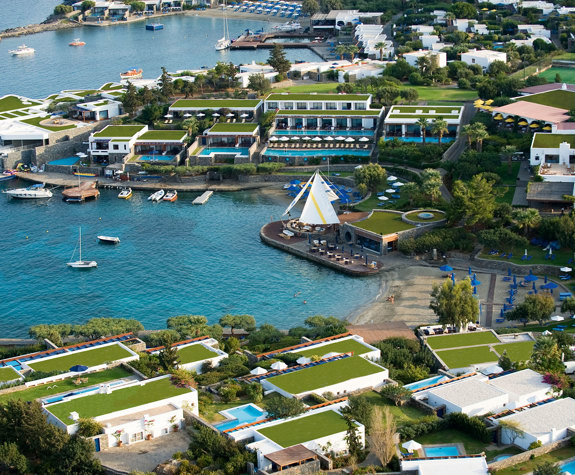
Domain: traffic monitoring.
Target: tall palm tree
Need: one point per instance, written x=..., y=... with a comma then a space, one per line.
x=341, y=50
x=449, y=17
x=352, y=50
x=423, y=124
x=191, y=125
x=380, y=46
x=527, y=219
x=468, y=132
x=439, y=127
x=480, y=134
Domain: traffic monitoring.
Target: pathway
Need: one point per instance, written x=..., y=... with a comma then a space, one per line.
x=520, y=195
x=454, y=152
x=489, y=302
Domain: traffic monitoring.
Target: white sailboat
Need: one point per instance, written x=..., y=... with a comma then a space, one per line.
x=80, y=264
x=224, y=42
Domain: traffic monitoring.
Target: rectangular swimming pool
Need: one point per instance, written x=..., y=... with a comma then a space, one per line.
x=425, y=382
x=156, y=158
x=442, y=451
x=224, y=150
x=569, y=467
x=241, y=415
x=65, y=161
x=335, y=152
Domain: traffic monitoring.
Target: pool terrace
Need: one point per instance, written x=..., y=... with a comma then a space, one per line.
x=232, y=151
x=65, y=162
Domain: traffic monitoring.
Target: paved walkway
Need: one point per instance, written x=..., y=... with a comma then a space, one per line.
x=520, y=196
x=489, y=302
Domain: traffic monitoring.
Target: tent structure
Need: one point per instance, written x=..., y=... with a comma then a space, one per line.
x=258, y=371
x=411, y=446
x=279, y=365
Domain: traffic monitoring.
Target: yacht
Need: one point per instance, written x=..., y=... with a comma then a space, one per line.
x=125, y=194
x=224, y=42
x=80, y=264
x=157, y=196
x=289, y=26
x=32, y=192
x=109, y=239
x=22, y=50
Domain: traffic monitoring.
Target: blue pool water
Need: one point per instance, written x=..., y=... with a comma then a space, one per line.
x=74, y=393
x=501, y=457
x=568, y=467
x=228, y=150
x=420, y=140
x=241, y=415
x=424, y=383
x=445, y=451
x=335, y=133
x=156, y=158
x=65, y=161
x=336, y=152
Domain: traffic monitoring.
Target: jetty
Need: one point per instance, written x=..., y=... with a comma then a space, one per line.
x=203, y=198
x=82, y=192
x=265, y=41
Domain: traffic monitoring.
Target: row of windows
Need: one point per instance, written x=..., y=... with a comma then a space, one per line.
x=358, y=106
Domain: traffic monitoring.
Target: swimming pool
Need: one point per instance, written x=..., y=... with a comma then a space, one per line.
x=569, y=467
x=358, y=133
x=65, y=161
x=240, y=415
x=442, y=451
x=502, y=457
x=224, y=150
x=75, y=393
x=425, y=382
x=419, y=139
x=156, y=158
x=336, y=152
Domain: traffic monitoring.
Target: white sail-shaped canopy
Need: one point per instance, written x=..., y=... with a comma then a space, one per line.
x=318, y=208
x=330, y=193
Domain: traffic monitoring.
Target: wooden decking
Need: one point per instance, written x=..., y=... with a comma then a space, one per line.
x=263, y=41
x=86, y=190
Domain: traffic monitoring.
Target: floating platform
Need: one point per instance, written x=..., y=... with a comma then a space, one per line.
x=82, y=192
x=154, y=26
x=203, y=198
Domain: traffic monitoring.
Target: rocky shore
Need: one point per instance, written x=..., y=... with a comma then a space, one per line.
x=48, y=25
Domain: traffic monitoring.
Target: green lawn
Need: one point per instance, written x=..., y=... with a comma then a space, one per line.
x=163, y=135
x=9, y=103
x=216, y=103
x=112, y=131
x=402, y=414
x=538, y=254
x=305, y=429
x=436, y=217
x=383, y=223
x=552, y=140
x=118, y=400
x=109, y=86
x=460, y=339
x=196, y=352
x=337, y=347
x=560, y=99
x=320, y=87
x=542, y=328
x=567, y=74
x=434, y=93
x=66, y=385
x=520, y=351
x=452, y=436
x=82, y=93
x=467, y=356
x=8, y=374
x=507, y=193
x=93, y=357
x=527, y=467
x=508, y=177
x=565, y=56
x=325, y=374
x=36, y=121
x=233, y=128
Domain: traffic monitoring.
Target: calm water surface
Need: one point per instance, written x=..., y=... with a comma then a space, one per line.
x=25, y=12
x=174, y=258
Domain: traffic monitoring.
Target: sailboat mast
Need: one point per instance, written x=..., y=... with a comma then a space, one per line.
x=80, y=243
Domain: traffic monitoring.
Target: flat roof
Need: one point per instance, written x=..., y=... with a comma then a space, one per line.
x=562, y=99
x=532, y=111
x=8, y=373
x=369, y=112
x=11, y=102
x=542, y=140
x=343, y=346
x=520, y=383
x=467, y=391
x=216, y=103
x=547, y=87
x=471, y=465
x=291, y=455
x=542, y=419
x=94, y=357
x=100, y=404
x=549, y=191
x=177, y=135
x=111, y=131
x=317, y=97
x=195, y=352
x=223, y=127
x=325, y=374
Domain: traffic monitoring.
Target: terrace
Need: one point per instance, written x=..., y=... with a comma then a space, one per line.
x=560, y=99
x=195, y=352
x=348, y=345
x=384, y=223
x=10, y=103
x=119, y=131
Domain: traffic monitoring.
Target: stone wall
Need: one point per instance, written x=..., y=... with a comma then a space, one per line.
x=540, y=269
x=309, y=468
x=21, y=155
x=526, y=456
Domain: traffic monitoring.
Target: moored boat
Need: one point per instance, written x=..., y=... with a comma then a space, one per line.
x=171, y=196
x=77, y=42
x=132, y=74
x=157, y=196
x=109, y=239
x=32, y=192
x=125, y=194
x=80, y=264
x=22, y=50
x=7, y=175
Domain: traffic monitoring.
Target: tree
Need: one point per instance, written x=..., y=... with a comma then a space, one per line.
x=165, y=85
x=399, y=395
x=454, y=304
x=200, y=81
x=100, y=327
x=526, y=219
x=278, y=60
x=279, y=407
x=535, y=307
x=439, y=127
x=328, y=5
x=568, y=305
x=382, y=434
x=87, y=5
x=259, y=83
x=189, y=325
x=507, y=153
x=168, y=357
x=373, y=175
x=497, y=67
x=341, y=50
x=11, y=460
x=546, y=356
x=409, y=94
x=381, y=45
x=246, y=322
x=310, y=7
x=352, y=438
x=62, y=9
x=131, y=100
x=474, y=201
x=512, y=429
x=423, y=123
x=138, y=6
x=477, y=133
x=504, y=361
x=360, y=409
x=352, y=50
x=431, y=183
x=464, y=10
x=547, y=468
x=191, y=125
x=232, y=345
x=557, y=77
x=255, y=391
x=88, y=427
x=151, y=113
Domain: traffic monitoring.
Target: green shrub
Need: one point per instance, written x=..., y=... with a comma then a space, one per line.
x=191, y=171
x=425, y=425
x=470, y=425
x=534, y=445
x=88, y=427
x=270, y=167
x=62, y=9
x=501, y=238
x=441, y=239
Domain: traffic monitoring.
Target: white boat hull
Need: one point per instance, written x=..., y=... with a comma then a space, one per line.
x=109, y=239
x=83, y=264
x=25, y=194
x=222, y=45
x=157, y=196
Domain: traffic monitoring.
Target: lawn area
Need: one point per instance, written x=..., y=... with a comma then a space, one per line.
x=402, y=414
x=66, y=385
x=111, y=131
x=109, y=86
x=460, y=339
x=383, y=223
x=36, y=121
x=431, y=93
x=467, y=356
x=306, y=428
x=452, y=436
x=373, y=203
x=565, y=56
x=236, y=128
x=561, y=256
x=508, y=177
x=507, y=193
x=520, y=351
x=321, y=87
x=118, y=400
x=337, y=347
x=163, y=135
x=8, y=374
x=196, y=352
x=9, y=103
x=210, y=411
x=560, y=99
x=93, y=357
x=529, y=466
x=567, y=74
x=436, y=217
x=325, y=374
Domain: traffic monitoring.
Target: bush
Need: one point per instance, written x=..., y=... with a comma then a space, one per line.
x=534, y=445
x=191, y=171
x=62, y=9
x=470, y=425
x=441, y=239
x=501, y=238
x=425, y=425
x=280, y=407
x=88, y=427
x=233, y=171
x=229, y=393
x=270, y=167
x=36, y=375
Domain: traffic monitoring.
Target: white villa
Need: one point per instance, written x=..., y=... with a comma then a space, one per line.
x=483, y=57
x=114, y=142
x=367, y=36
x=470, y=465
x=438, y=57
x=194, y=353
x=402, y=120
x=97, y=110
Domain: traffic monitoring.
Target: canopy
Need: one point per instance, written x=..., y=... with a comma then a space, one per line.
x=522, y=122
x=391, y=178
x=546, y=333
x=279, y=365
x=498, y=117
x=557, y=318
x=382, y=198
x=229, y=114
x=329, y=138
x=411, y=445
x=201, y=114
x=187, y=114
x=509, y=120
x=340, y=138
x=306, y=138
x=364, y=139
x=317, y=139
x=78, y=368
x=258, y=370
x=397, y=184
x=446, y=268
x=531, y=278
x=550, y=285
x=349, y=139
x=565, y=269
x=284, y=138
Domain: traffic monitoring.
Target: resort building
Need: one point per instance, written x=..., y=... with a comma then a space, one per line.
x=367, y=36
x=555, y=155
x=335, y=20
x=438, y=58
x=97, y=110
x=428, y=41
x=470, y=465
x=160, y=146
x=546, y=423
x=534, y=30
x=401, y=122
x=461, y=24
x=241, y=110
x=129, y=413
x=194, y=353
x=483, y=57
x=114, y=143
x=550, y=195
x=479, y=29
x=226, y=143
x=423, y=29
x=545, y=7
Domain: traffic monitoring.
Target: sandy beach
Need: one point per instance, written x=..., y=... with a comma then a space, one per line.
x=219, y=13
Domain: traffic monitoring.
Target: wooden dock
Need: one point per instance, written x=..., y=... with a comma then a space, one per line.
x=82, y=192
x=262, y=41
x=203, y=198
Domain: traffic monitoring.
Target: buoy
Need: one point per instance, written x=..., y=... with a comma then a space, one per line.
x=26, y=237
x=47, y=231
x=100, y=219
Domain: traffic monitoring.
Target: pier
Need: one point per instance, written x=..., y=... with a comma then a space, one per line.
x=262, y=41
x=82, y=192
x=203, y=198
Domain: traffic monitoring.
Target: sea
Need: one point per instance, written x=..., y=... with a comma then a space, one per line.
x=173, y=259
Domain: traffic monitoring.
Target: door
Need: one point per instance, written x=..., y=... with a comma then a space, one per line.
x=97, y=444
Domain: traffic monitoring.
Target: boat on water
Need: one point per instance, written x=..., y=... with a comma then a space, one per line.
x=32, y=192
x=7, y=175
x=109, y=239
x=154, y=26
x=22, y=50
x=289, y=26
x=80, y=264
x=224, y=42
x=171, y=196
x=132, y=74
x=157, y=196
x=125, y=194
x=77, y=42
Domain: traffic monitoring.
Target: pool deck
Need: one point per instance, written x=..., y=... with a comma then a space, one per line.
x=299, y=246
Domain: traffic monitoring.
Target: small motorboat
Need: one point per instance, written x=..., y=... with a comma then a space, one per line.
x=109, y=239
x=157, y=196
x=171, y=196
x=7, y=175
x=132, y=74
x=77, y=42
x=125, y=194
x=22, y=50
x=32, y=192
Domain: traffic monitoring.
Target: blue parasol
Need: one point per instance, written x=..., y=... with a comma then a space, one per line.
x=531, y=278
x=78, y=368
x=475, y=282
x=446, y=268
x=550, y=285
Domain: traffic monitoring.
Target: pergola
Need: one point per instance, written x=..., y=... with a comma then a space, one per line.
x=292, y=456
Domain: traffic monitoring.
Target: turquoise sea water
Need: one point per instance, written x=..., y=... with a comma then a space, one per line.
x=25, y=12
x=174, y=258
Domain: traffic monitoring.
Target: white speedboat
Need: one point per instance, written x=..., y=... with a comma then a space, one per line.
x=22, y=50
x=32, y=192
x=125, y=194
x=109, y=239
x=80, y=264
x=157, y=196
x=289, y=26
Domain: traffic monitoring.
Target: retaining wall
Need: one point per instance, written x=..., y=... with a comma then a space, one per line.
x=526, y=456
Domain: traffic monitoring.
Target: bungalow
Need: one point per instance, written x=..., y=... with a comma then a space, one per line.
x=479, y=29
x=242, y=109
x=97, y=110
x=402, y=121
x=423, y=29
x=461, y=24
x=534, y=30
x=118, y=12
x=317, y=102
x=129, y=413
x=195, y=353
x=555, y=156
x=545, y=7
x=483, y=57
x=335, y=20
x=160, y=145
x=437, y=57
x=114, y=142
x=429, y=40
x=226, y=143
x=368, y=36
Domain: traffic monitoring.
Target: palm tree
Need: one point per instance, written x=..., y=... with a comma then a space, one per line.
x=340, y=50
x=507, y=152
x=527, y=219
x=380, y=46
x=352, y=50
x=468, y=132
x=191, y=125
x=439, y=127
x=449, y=17
x=480, y=134
x=423, y=124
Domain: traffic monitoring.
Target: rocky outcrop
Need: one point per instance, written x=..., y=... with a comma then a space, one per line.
x=50, y=24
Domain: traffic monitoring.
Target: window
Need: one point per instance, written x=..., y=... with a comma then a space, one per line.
x=272, y=105
x=136, y=437
x=360, y=106
x=347, y=106
x=116, y=146
x=316, y=106
x=288, y=106
x=330, y=106
x=302, y=106
x=472, y=60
